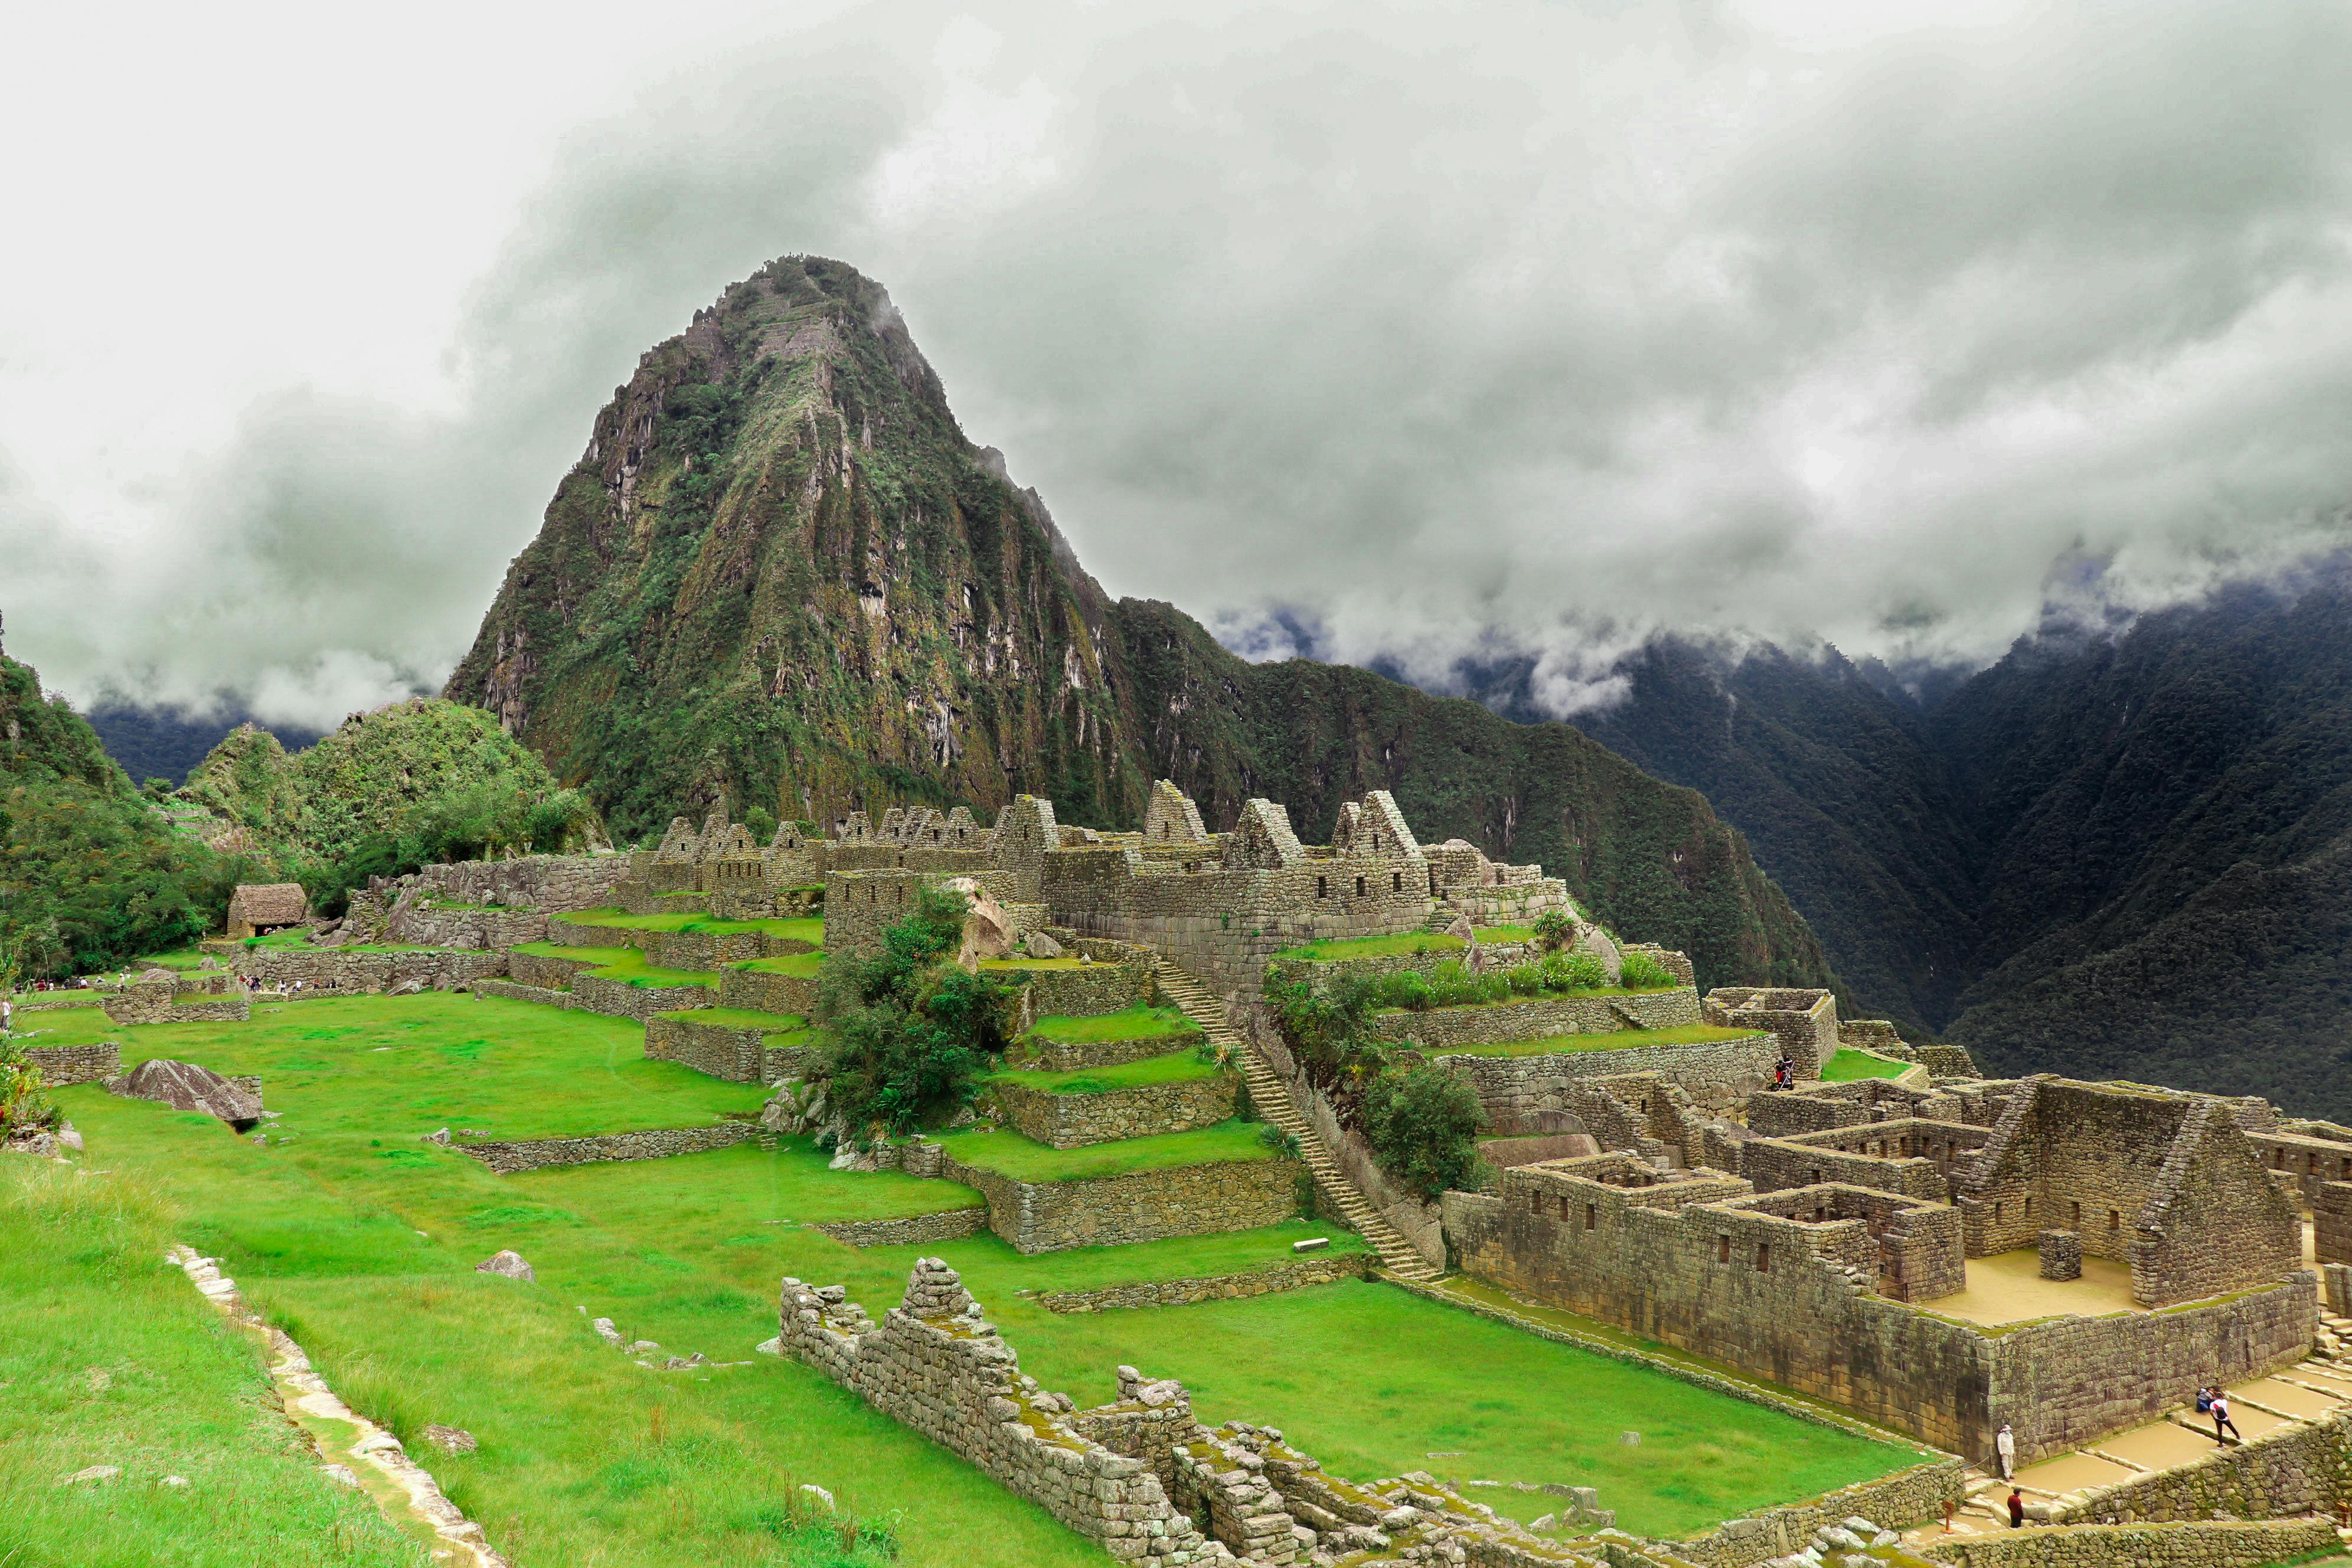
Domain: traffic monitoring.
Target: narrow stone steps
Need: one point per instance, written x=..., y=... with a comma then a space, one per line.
x=1272, y=1098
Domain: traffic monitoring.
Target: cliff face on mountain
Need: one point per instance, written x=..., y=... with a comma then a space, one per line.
x=781, y=575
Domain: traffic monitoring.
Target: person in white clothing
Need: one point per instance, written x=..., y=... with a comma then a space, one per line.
x=2005, y=1444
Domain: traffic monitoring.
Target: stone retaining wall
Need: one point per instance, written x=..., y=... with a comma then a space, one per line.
x=1538, y=1017
x=1088, y=990
x=515, y=992
x=499, y=929
x=62, y=1065
x=344, y=970
x=619, y=999
x=1144, y=1206
x=949, y=1224
x=1321, y=1269
x=695, y=950
x=152, y=1004
x=757, y=992
x=2210, y=1545
x=542, y=973
x=538, y=1154
x=1893, y=1502
x=1075, y=1121
x=1515, y=1089
x=1063, y=1056
x=726, y=1051
x=2301, y=1468
x=50, y=1000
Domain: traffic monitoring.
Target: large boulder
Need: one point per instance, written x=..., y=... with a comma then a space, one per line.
x=1591, y=938
x=184, y=1086
x=509, y=1264
x=987, y=928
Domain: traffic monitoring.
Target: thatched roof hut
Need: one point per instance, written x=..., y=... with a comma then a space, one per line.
x=258, y=909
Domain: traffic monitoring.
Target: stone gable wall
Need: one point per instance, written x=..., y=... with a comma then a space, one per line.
x=1075, y=1121
x=509, y=1157
x=1539, y=1017
x=62, y=1065
x=1145, y=1205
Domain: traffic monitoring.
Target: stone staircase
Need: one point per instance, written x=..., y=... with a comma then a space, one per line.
x=1272, y=1098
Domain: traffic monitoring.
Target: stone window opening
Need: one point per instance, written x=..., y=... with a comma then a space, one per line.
x=1763, y=1257
x=2077, y=1212
x=1723, y=1249
x=1592, y=1216
x=1359, y=887
x=2115, y=1220
x=1322, y=888
x=1433, y=881
x=1813, y=1177
x=2029, y=1206
x=1396, y=885
x=1996, y=1211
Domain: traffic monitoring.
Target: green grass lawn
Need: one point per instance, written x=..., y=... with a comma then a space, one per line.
x=1615, y=1040
x=178, y=958
x=806, y=964
x=361, y=1242
x=809, y=929
x=1176, y=1067
x=1023, y=964
x=1374, y=947
x=1010, y=1154
x=1846, y=1066
x=294, y=941
x=1136, y=1023
x=111, y=1357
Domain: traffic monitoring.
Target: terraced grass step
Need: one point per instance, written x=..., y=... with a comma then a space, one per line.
x=1024, y=1160
x=1065, y=1042
x=1615, y=1040
x=1180, y=1065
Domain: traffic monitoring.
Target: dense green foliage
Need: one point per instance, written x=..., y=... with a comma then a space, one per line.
x=25, y=1102
x=911, y=1034
x=1554, y=974
x=817, y=596
x=1328, y=1027
x=2124, y=856
x=90, y=873
x=403, y=786
x=1423, y=1122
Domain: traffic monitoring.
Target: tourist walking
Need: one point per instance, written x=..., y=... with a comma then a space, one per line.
x=2221, y=1419
x=2005, y=1444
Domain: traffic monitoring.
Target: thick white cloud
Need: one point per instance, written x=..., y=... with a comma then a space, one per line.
x=1523, y=328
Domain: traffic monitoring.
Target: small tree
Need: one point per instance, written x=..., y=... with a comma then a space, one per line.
x=1423, y=1124
x=1330, y=1029
x=1554, y=930
x=911, y=1032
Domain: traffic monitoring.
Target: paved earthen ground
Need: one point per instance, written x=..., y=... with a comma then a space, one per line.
x=2008, y=1288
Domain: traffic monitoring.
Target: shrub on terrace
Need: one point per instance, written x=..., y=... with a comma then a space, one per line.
x=911, y=1033
x=1329, y=1029
x=24, y=1103
x=1424, y=1123
x=1643, y=972
x=1553, y=930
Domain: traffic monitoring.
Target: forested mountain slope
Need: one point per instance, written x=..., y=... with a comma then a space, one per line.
x=2117, y=855
x=780, y=574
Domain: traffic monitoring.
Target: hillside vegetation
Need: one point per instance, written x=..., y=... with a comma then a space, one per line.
x=781, y=575
x=90, y=873
x=2109, y=857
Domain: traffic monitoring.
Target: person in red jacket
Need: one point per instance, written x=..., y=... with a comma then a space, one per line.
x=2016, y=1508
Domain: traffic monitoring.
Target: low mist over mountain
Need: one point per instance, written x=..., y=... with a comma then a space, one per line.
x=167, y=743
x=781, y=575
x=2113, y=857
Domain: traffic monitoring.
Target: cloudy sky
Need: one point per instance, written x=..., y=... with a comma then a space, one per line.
x=1533, y=328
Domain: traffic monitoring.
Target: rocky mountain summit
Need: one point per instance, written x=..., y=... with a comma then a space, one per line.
x=781, y=576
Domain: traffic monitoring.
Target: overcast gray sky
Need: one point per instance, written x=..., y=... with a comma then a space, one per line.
x=1528, y=327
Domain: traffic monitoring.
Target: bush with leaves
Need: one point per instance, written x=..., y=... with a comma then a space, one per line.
x=1554, y=930
x=1423, y=1123
x=1328, y=1029
x=24, y=1103
x=910, y=1033
x=1640, y=971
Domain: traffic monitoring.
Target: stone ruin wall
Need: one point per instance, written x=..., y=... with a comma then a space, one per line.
x=61, y=1065
x=513, y=1156
x=343, y=969
x=2211, y=1544
x=1518, y=1092
x=2331, y=1223
x=2163, y=1181
x=1689, y=1279
x=1806, y=1022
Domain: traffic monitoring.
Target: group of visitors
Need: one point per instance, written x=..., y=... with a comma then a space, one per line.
x=2212, y=1401
x=1784, y=1073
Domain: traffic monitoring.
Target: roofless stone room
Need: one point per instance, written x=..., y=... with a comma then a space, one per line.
x=865, y=787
